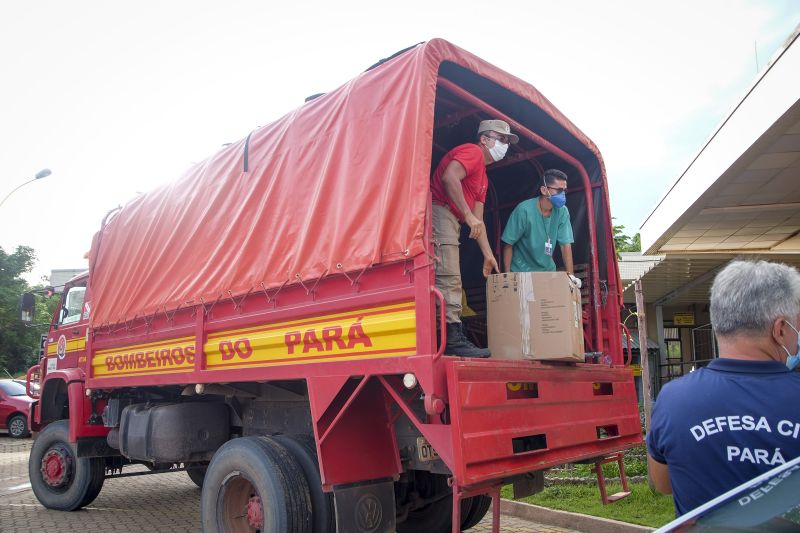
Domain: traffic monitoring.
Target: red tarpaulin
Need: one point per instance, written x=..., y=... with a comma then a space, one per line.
x=342, y=180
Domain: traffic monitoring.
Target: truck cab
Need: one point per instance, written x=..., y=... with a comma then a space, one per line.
x=66, y=339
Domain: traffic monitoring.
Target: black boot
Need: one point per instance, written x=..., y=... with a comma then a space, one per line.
x=459, y=345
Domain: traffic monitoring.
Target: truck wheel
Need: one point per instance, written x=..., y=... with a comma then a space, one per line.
x=96, y=483
x=59, y=479
x=197, y=474
x=18, y=426
x=436, y=517
x=477, y=509
x=254, y=484
x=304, y=451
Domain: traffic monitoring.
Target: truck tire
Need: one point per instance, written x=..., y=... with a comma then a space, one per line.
x=59, y=479
x=477, y=509
x=247, y=475
x=197, y=474
x=18, y=426
x=436, y=517
x=96, y=483
x=304, y=451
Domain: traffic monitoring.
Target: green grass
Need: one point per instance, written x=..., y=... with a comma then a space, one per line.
x=643, y=506
x=633, y=467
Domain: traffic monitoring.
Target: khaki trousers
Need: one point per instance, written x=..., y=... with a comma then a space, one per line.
x=446, y=229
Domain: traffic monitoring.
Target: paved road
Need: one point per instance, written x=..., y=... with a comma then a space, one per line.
x=159, y=503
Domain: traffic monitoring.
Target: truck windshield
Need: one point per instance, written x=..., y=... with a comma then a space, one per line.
x=73, y=305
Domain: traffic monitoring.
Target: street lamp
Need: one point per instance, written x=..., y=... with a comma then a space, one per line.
x=39, y=175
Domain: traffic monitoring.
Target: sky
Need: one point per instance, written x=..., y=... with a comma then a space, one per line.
x=119, y=97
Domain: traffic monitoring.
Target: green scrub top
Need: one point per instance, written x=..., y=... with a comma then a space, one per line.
x=527, y=231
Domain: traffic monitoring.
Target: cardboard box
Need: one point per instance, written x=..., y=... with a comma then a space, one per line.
x=534, y=315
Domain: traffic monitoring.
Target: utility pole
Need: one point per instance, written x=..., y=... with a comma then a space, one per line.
x=644, y=355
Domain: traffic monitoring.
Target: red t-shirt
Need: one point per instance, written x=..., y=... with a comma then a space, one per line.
x=474, y=183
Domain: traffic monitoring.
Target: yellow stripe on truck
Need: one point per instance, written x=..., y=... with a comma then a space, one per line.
x=176, y=355
x=75, y=345
x=371, y=333
x=377, y=332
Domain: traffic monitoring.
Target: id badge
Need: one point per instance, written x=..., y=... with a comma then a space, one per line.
x=548, y=248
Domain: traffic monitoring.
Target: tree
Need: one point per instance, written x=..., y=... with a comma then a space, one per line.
x=19, y=344
x=624, y=243
x=636, y=244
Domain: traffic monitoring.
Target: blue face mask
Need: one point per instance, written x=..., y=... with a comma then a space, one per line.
x=793, y=360
x=559, y=200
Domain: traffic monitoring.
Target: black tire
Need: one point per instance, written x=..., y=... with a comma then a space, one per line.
x=80, y=479
x=304, y=451
x=260, y=471
x=477, y=509
x=96, y=483
x=18, y=426
x=197, y=474
x=436, y=517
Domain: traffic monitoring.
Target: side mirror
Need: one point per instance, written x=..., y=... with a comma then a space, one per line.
x=27, y=307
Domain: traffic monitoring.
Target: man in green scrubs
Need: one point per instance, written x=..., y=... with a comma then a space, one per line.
x=536, y=226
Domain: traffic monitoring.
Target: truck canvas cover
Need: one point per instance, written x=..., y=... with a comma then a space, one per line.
x=337, y=185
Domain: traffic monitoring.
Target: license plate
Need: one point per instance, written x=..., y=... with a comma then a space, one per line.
x=425, y=450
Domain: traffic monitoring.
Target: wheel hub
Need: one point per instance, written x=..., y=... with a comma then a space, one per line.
x=57, y=466
x=255, y=512
x=17, y=427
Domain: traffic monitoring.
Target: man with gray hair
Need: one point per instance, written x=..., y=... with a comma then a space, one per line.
x=724, y=424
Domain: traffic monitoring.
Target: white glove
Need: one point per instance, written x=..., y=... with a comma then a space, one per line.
x=575, y=281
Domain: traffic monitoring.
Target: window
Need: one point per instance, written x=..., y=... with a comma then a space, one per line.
x=71, y=312
x=673, y=366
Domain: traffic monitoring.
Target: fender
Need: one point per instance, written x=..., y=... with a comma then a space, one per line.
x=44, y=406
x=68, y=375
x=340, y=430
x=79, y=405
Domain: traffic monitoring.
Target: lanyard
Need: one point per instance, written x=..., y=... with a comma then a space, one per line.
x=549, y=222
x=548, y=246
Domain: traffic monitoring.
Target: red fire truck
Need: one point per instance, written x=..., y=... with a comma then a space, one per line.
x=268, y=322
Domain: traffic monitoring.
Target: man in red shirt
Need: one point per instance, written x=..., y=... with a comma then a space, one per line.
x=458, y=189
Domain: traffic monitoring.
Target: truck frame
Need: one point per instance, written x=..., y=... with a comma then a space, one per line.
x=319, y=398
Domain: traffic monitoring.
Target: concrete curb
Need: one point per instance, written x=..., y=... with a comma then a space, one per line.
x=579, y=522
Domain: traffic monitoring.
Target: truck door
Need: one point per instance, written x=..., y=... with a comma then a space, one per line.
x=69, y=335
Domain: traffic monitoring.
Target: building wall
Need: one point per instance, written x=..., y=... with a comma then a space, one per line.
x=682, y=343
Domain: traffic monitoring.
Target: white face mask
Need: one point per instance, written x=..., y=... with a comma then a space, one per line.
x=498, y=151
x=793, y=360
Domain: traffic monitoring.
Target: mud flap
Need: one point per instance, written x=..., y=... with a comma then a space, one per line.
x=365, y=507
x=528, y=484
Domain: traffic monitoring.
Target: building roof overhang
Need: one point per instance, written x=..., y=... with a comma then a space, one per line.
x=741, y=192
x=681, y=279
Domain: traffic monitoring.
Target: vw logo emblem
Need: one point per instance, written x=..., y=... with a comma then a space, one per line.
x=369, y=513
